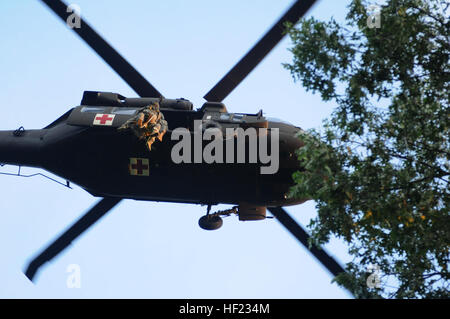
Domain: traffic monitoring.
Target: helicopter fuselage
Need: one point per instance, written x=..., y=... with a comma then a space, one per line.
x=85, y=147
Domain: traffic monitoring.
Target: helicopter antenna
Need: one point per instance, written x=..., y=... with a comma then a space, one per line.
x=67, y=184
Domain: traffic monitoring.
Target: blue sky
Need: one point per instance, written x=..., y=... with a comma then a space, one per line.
x=147, y=249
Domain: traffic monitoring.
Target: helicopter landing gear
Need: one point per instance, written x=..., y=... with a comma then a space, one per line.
x=210, y=222
x=214, y=221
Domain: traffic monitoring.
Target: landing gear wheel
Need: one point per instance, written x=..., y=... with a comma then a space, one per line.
x=210, y=222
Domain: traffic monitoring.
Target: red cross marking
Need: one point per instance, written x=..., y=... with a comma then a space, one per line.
x=104, y=118
x=139, y=166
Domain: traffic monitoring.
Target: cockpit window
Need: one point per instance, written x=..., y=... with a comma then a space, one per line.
x=238, y=117
x=274, y=119
x=123, y=111
x=93, y=109
x=100, y=109
x=224, y=117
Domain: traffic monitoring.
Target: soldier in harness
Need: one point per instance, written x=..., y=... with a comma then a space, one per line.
x=149, y=124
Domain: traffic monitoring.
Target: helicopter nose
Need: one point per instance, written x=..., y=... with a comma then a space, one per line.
x=292, y=164
x=281, y=182
x=289, y=144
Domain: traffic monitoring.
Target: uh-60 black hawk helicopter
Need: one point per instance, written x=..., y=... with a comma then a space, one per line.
x=85, y=147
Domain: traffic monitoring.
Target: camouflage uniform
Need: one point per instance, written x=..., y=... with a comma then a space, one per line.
x=148, y=124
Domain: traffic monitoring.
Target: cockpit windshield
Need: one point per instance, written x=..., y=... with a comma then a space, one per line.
x=103, y=109
x=275, y=119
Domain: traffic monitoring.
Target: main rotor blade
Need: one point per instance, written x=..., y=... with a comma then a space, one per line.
x=302, y=236
x=126, y=71
x=238, y=73
x=93, y=215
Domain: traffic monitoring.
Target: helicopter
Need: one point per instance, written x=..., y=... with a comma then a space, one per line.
x=117, y=166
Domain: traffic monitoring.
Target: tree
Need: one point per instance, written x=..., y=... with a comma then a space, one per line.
x=379, y=169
